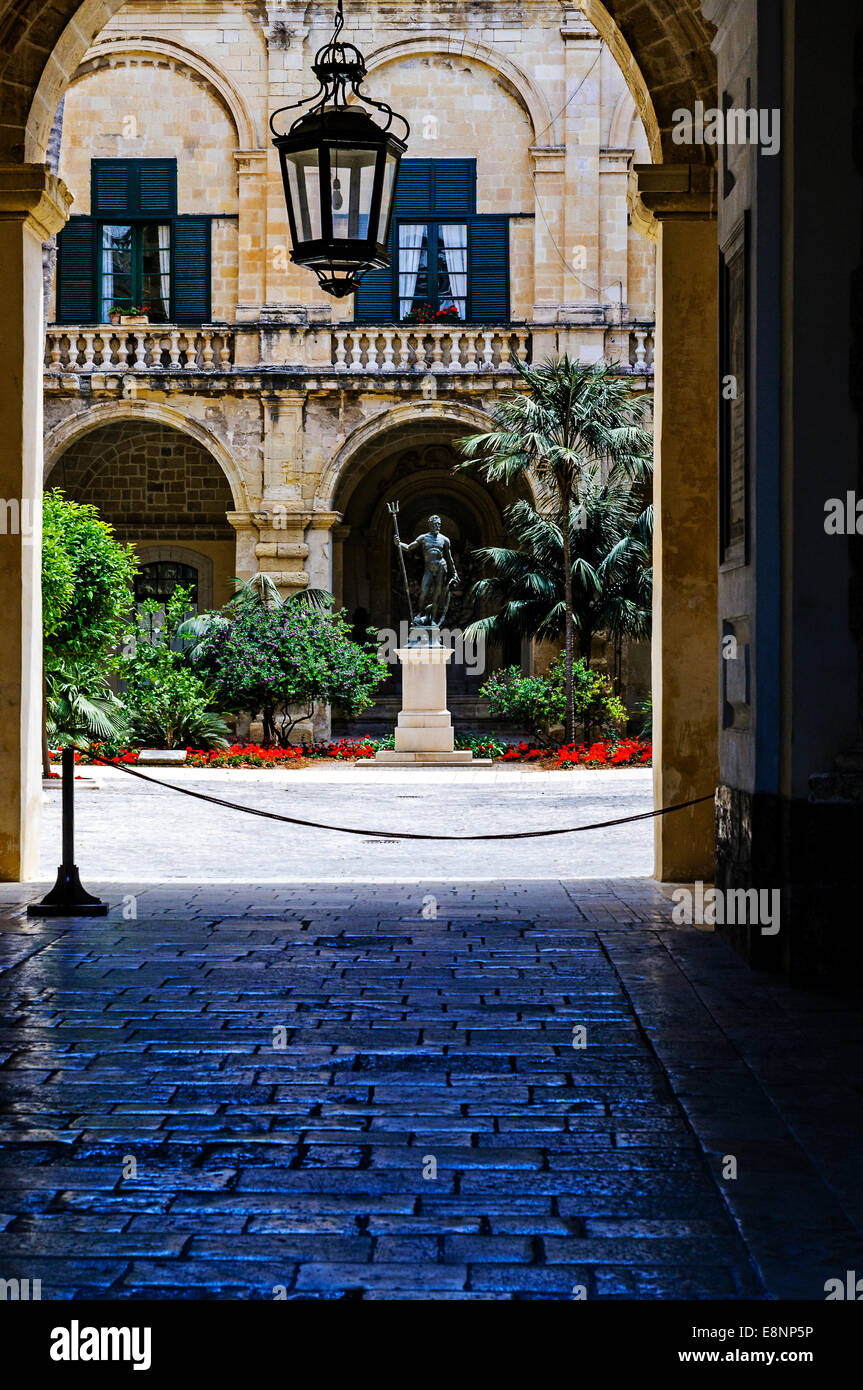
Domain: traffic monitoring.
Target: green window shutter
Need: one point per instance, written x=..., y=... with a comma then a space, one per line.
x=191, y=269
x=436, y=187
x=489, y=270
x=112, y=188
x=75, y=271
x=157, y=187
x=414, y=194
x=454, y=187
x=373, y=302
x=133, y=188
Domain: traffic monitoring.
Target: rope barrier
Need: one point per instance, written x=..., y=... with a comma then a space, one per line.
x=399, y=834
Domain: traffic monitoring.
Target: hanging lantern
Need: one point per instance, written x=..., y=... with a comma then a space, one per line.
x=340, y=168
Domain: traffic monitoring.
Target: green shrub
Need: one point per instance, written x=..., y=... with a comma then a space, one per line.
x=169, y=704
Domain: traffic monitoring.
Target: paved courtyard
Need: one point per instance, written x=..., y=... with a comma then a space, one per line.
x=127, y=829
x=371, y=1091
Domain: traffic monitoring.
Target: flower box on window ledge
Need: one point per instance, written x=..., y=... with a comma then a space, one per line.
x=426, y=314
x=131, y=317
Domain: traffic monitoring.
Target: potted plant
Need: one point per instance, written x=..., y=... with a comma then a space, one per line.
x=136, y=316
x=115, y=313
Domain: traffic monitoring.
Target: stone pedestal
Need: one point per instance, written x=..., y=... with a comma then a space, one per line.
x=424, y=733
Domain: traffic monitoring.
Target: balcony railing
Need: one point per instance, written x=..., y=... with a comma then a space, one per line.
x=335, y=352
x=139, y=349
x=429, y=349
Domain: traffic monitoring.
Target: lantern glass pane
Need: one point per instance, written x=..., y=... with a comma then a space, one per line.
x=305, y=190
x=387, y=198
x=352, y=191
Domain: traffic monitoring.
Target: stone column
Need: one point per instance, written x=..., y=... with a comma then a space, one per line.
x=252, y=233
x=582, y=46
x=614, y=251
x=283, y=444
x=281, y=549
x=245, y=525
x=340, y=535
x=548, y=163
x=678, y=201
x=321, y=550
x=34, y=205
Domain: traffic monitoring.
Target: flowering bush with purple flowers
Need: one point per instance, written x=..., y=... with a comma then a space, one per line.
x=283, y=659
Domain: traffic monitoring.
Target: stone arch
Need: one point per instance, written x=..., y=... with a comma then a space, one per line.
x=184, y=60
x=58, y=440
x=620, y=130
x=348, y=458
x=664, y=53
x=678, y=67
x=519, y=85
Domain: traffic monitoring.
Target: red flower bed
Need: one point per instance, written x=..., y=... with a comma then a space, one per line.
x=626, y=752
x=344, y=749
x=243, y=755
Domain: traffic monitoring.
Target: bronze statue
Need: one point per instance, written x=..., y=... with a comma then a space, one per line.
x=440, y=575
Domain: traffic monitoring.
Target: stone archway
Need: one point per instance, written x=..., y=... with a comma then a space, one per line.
x=663, y=49
x=160, y=489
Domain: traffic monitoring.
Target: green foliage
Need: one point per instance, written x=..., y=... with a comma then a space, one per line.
x=86, y=584
x=276, y=658
x=645, y=709
x=487, y=746
x=610, y=563
x=539, y=702
x=576, y=431
x=170, y=705
x=531, y=701
x=82, y=707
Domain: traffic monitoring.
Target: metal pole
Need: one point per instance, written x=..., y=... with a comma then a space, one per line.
x=68, y=809
x=68, y=898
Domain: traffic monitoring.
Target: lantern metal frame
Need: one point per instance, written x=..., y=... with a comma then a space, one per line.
x=331, y=123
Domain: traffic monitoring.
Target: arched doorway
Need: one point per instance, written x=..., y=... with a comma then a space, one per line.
x=413, y=463
x=162, y=490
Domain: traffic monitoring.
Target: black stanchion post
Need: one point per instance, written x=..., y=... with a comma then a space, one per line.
x=68, y=898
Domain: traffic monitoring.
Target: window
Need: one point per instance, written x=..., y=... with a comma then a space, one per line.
x=134, y=249
x=432, y=267
x=444, y=255
x=158, y=580
x=136, y=269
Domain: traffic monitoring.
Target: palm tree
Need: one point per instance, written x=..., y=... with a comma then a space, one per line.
x=81, y=707
x=609, y=541
x=571, y=421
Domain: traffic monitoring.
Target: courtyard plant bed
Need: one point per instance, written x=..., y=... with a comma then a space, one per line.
x=609, y=753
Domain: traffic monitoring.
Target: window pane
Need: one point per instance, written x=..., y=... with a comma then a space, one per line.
x=452, y=268
x=304, y=184
x=156, y=271
x=352, y=173
x=386, y=200
x=116, y=270
x=413, y=267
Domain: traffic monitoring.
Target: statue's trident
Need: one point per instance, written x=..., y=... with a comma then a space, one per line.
x=393, y=508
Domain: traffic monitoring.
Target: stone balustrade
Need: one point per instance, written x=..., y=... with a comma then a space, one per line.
x=330, y=350
x=428, y=348
x=119, y=349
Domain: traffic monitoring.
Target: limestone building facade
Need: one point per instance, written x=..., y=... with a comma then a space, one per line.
x=255, y=424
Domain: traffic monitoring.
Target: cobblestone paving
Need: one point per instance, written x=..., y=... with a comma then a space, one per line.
x=408, y=1038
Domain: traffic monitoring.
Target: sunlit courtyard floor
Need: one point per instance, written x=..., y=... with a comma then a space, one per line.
x=127, y=829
